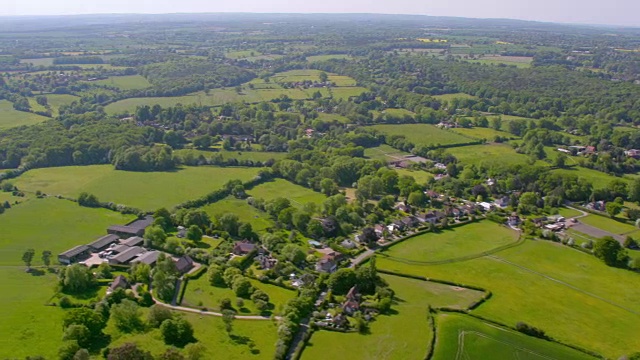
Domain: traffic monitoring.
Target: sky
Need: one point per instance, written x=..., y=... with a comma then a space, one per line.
x=610, y=12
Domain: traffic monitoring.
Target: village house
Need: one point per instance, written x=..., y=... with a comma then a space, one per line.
x=403, y=207
x=120, y=282
x=502, y=202
x=348, y=244
x=513, y=220
x=352, y=301
x=243, y=248
x=633, y=153
x=379, y=230
x=184, y=264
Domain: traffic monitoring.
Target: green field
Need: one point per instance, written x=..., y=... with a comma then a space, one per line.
x=249, y=339
x=201, y=294
x=449, y=97
x=313, y=75
x=403, y=335
x=316, y=58
x=422, y=177
x=488, y=154
x=297, y=194
x=145, y=190
x=333, y=117
x=9, y=117
x=569, y=213
x=608, y=224
x=130, y=82
x=239, y=155
x=518, y=61
x=259, y=221
x=57, y=100
x=424, y=134
x=597, y=178
x=464, y=337
x=482, y=133
x=38, y=62
x=467, y=240
x=51, y=224
x=572, y=296
x=384, y=152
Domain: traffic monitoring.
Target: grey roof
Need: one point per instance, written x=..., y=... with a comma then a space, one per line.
x=127, y=255
x=149, y=258
x=135, y=227
x=75, y=251
x=104, y=241
x=132, y=241
x=141, y=224
x=184, y=264
x=120, y=248
x=119, y=282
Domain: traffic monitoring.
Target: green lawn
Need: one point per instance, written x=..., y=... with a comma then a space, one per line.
x=608, y=224
x=569, y=213
x=239, y=155
x=9, y=117
x=298, y=195
x=597, y=178
x=403, y=335
x=200, y=294
x=572, y=296
x=249, y=339
x=489, y=154
x=384, y=152
x=449, y=97
x=28, y=327
x=482, y=133
x=462, y=241
x=316, y=58
x=129, y=82
x=424, y=134
x=259, y=221
x=51, y=224
x=422, y=177
x=464, y=337
x=333, y=117
x=145, y=190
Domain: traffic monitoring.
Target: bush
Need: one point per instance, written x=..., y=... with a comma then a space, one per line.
x=225, y=304
x=531, y=330
x=157, y=315
x=66, y=303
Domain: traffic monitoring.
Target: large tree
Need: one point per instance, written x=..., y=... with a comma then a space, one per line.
x=27, y=257
x=610, y=251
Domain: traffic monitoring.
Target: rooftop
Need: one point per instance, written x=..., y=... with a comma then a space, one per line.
x=132, y=241
x=75, y=251
x=104, y=241
x=149, y=258
x=127, y=255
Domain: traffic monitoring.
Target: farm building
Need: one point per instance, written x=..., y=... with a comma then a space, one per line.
x=120, y=282
x=103, y=242
x=135, y=228
x=133, y=241
x=73, y=255
x=126, y=256
x=149, y=258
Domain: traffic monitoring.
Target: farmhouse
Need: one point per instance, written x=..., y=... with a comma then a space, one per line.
x=126, y=256
x=243, y=248
x=184, y=264
x=103, y=243
x=135, y=228
x=72, y=255
x=120, y=282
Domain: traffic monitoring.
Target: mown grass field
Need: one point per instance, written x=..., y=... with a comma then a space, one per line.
x=608, y=224
x=51, y=224
x=239, y=155
x=384, y=152
x=312, y=75
x=248, y=340
x=569, y=213
x=57, y=100
x=462, y=241
x=9, y=117
x=298, y=195
x=147, y=191
x=489, y=154
x=316, y=58
x=482, y=133
x=572, y=296
x=332, y=117
x=464, y=337
x=403, y=335
x=130, y=82
x=422, y=177
x=449, y=97
x=246, y=213
x=597, y=178
x=201, y=294
x=424, y=134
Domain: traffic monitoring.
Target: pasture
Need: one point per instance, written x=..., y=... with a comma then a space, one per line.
x=517, y=61
x=298, y=195
x=402, y=335
x=424, y=134
x=248, y=340
x=422, y=177
x=597, y=178
x=569, y=294
x=449, y=97
x=130, y=82
x=144, y=190
x=311, y=75
x=51, y=224
x=488, y=134
x=238, y=155
x=488, y=154
x=246, y=213
x=318, y=58
x=9, y=117
x=38, y=62
x=57, y=100
x=467, y=240
x=384, y=152
x=607, y=224
x=464, y=337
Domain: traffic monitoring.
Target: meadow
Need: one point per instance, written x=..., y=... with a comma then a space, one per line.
x=38, y=62
x=130, y=82
x=517, y=61
x=467, y=240
x=246, y=213
x=298, y=195
x=608, y=224
x=9, y=117
x=312, y=75
x=464, y=337
x=597, y=178
x=144, y=190
x=402, y=335
x=200, y=293
x=449, y=97
x=238, y=155
x=384, y=152
x=488, y=154
x=51, y=224
x=482, y=133
x=569, y=294
x=333, y=117
x=57, y=100
x=421, y=177
x=317, y=58
x=424, y=134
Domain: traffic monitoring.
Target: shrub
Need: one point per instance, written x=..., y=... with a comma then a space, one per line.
x=531, y=330
x=225, y=304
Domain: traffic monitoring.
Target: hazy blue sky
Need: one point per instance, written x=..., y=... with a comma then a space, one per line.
x=616, y=12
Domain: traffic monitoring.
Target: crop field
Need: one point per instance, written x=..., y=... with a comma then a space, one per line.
x=248, y=340
x=239, y=155
x=482, y=133
x=608, y=224
x=489, y=154
x=130, y=82
x=147, y=191
x=449, y=97
x=403, y=335
x=297, y=194
x=316, y=58
x=424, y=134
x=552, y=287
x=422, y=177
x=464, y=337
x=44, y=224
x=9, y=117
x=246, y=213
x=200, y=293
x=597, y=178
x=467, y=240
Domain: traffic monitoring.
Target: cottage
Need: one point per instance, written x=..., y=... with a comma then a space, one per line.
x=632, y=153
x=327, y=265
x=120, y=282
x=379, y=229
x=485, y=206
x=182, y=232
x=149, y=258
x=410, y=221
x=184, y=264
x=103, y=243
x=72, y=255
x=352, y=301
x=135, y=228
x=243, y=248
x=503, y=202
x=348, y=244
x=126, y=256
x=513, y=220
x=403, y=207
x=266, y=262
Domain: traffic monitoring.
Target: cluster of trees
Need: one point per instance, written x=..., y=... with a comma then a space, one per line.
x=232, y=277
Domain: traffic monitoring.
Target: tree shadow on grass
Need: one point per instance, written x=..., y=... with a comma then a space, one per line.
x=36, y=272
x=245, y=340
x=99, y=343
